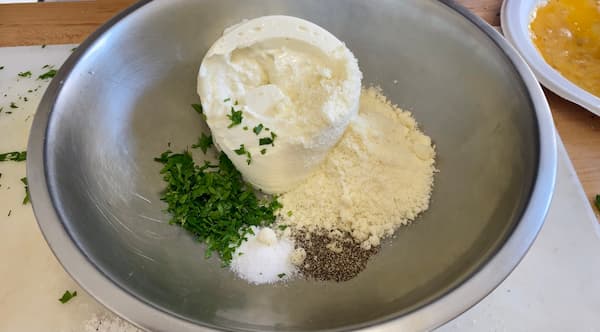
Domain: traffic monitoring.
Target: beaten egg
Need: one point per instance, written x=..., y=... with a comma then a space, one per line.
x=567, y=34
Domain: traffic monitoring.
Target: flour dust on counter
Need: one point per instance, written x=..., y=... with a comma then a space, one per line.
x=108, y=323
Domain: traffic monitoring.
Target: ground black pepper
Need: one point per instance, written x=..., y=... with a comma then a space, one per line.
x=322, y=263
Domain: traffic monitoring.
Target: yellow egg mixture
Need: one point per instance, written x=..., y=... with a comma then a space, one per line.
x=567, y=34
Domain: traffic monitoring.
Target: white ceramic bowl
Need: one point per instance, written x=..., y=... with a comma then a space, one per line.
x=515, y=18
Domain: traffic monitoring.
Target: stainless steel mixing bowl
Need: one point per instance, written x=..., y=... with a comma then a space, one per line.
x=127, y=91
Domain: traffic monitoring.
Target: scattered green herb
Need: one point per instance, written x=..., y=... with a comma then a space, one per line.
x=30, y=91
x=258, y=128
x=282, y=227
x=13, y=156
x=67, y=296
x=598, y=202
x=49, y=74
x=236, y=103
x=263, y=151
x=9, y=213
x=25, y=99
x=204, y=142
x=248, y=157
x=44, y=46
x=73, y=49
x=45, y=66
x=24, y=74
x=226, y=100
x=281, y=275
x=26, y=199
x=235, y=117
x=198, y=108
x=1, y=67
x=265, y=141
x=241, y=150
x=213, y=202
x=245, y=128
x=289, y=213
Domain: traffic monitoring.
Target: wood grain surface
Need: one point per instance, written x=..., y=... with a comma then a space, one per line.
x=72, y=22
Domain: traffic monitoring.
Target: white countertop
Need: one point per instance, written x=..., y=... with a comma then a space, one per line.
x=555, y=288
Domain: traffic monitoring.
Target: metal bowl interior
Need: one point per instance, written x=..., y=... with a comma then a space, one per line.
x=127, y=92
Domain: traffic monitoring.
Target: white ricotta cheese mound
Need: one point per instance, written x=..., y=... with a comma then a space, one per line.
x=291, y=78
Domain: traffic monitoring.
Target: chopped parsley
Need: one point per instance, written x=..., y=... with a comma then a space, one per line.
x=267, y=140
x=26, y=199
x=204, y=142
x=281, y=275
x=25, y=74
x=263, y=151
x=289, y=213
x=67, y=296
x=245, y=128
x=49, y=74
x=213, y=202
x=235, y=117
x=13, y=156
x=198, y=108
x=45, y=66
x=597, y=202
x=236, y=103
x=258, y=129
x=226, y=100
x=1, y=67
x=44, y=46
x=73, y=49
x=25, y=99
x=13, y=105
x=282, y=227
x=241, y=150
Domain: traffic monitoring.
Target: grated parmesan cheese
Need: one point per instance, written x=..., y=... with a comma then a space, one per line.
x=378, y=177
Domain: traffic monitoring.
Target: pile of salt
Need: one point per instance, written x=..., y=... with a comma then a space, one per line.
x=264, y=258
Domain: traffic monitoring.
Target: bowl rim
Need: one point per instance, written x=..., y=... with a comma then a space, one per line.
x=515, y=17
x=429, y=316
